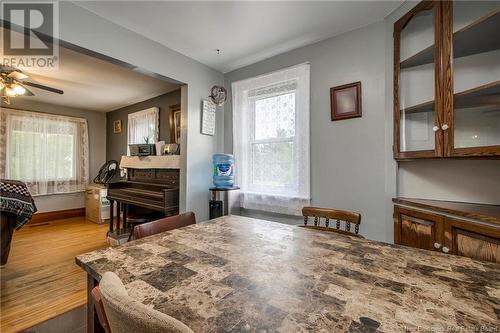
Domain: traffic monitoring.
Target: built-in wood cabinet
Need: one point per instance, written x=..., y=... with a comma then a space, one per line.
x=472, y=240
x=447, y=80
x=417, y=229
x=468, y=230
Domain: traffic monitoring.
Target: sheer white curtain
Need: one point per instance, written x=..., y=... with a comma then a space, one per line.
x=47, y=152
x=143, y=124
x=271, y=140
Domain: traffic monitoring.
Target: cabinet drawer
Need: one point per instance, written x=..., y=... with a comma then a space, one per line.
x=417, y=229
x=473, y=240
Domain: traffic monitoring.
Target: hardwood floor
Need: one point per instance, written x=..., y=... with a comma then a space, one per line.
x=41, y=279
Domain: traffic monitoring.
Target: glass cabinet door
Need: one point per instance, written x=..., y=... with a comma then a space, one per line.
x=472, y=123
x=417, y=92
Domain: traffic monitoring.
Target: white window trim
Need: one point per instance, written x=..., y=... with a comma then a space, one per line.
x=279, y=202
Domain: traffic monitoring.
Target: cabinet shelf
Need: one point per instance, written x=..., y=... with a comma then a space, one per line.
x=422, y=107
x=478, y=37
x=485, y=95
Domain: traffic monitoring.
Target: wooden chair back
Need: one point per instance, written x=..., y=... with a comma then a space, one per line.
x=342, y=220
x=99, y=308
x=165, y=224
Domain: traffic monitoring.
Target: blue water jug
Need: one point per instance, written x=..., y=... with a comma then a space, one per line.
x=223, y=170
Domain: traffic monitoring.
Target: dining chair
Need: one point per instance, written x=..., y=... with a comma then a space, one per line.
x=165, y=224
x=341, y=218
x=126, y=315
x=99, y=308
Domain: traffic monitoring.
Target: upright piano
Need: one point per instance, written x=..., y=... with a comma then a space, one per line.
x=145, y=192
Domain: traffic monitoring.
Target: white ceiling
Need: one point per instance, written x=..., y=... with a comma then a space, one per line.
x=245, y=32
x=93, y=84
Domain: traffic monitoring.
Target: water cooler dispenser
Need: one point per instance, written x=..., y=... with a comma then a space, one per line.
x=224, y=197
x=224, y=201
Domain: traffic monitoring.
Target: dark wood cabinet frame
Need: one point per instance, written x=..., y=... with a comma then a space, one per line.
x=444, y=91
x=398, y=27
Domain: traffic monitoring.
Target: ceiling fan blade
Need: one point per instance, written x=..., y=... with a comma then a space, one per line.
x=27, y=92
x=40, y=86
x=17, y=75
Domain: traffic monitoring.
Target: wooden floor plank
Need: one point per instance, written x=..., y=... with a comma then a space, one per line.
x=41, y=279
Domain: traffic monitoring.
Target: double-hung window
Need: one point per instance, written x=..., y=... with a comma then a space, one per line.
x=47, y=152
x=271, y=140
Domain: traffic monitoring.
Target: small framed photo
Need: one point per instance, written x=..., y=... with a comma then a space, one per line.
x=117, y=126
x=346, y=101
x=175, y=123
x=177, y=126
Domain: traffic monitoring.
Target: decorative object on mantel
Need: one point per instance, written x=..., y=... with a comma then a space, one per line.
x=175, y=123
x=117, y=126
x=160, y=147
x=142, y=149
x=218, y=95
x=346, y=101
x=208, y=118
x=171, y=149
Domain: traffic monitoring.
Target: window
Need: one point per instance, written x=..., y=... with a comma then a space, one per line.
x=47, y=152
x=143, y=125
x=271, y=140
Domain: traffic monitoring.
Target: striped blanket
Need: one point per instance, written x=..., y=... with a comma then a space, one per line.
x=16, y=199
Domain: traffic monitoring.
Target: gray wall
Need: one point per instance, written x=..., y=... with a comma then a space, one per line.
x=348, y=157
x=351, y=161
x=116, y=143
x=97, y=149
x=85, y=29
x=441, y=179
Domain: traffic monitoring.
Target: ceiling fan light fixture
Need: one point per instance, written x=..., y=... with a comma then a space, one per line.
x=9, y=91
x=19, y=90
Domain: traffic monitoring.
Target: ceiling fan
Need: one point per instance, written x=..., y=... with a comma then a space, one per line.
x=13, y=84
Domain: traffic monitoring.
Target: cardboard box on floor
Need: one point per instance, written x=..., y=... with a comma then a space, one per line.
x=96, y=204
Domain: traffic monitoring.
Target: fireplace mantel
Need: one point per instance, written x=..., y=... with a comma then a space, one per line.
x=151, y=162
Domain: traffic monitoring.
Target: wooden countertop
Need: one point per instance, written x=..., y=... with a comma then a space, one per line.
x=237, y=274
x=487, y=213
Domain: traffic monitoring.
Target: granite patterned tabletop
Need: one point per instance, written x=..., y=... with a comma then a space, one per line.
x=236, y=274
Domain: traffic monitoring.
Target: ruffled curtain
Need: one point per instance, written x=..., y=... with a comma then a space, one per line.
x=47, y=152
x=143, y=124
x=271, y=140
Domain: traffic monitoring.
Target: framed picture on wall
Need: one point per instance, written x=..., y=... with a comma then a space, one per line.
x=208, y=117
x=117, y=126
x=175, y=123
x=346, y=101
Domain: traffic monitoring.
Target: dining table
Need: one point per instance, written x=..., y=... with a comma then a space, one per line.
x=240, y=274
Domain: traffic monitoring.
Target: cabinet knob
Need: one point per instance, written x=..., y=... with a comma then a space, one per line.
x=444, y=127
x=437, y=245
x=435, y=128
x=445, y=249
